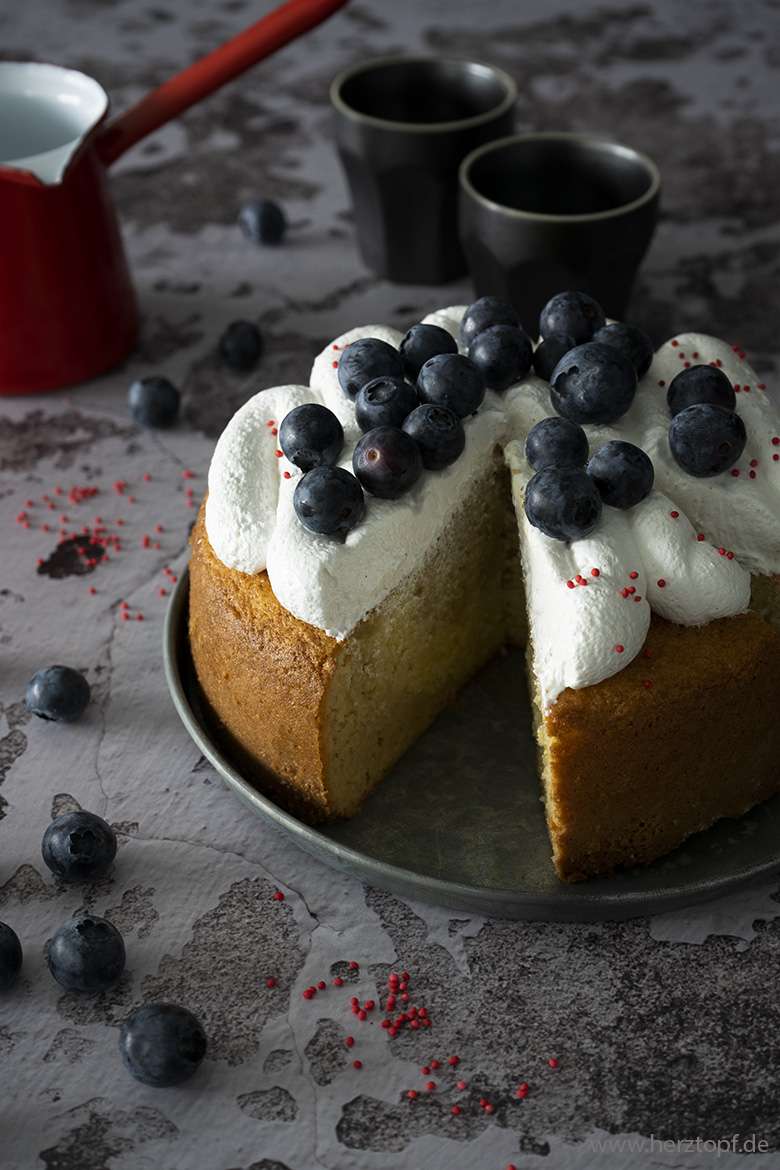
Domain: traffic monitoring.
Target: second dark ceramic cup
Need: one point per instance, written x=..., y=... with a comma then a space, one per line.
x=543, y=213
x=403, y=125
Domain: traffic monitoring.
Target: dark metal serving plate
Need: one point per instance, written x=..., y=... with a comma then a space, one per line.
x=458, y=822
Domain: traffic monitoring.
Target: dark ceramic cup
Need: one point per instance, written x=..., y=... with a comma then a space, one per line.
x=403, y=125
x=543, y=213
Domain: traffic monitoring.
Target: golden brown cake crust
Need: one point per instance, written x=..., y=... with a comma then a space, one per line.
x=686, y=733
x=267, y=719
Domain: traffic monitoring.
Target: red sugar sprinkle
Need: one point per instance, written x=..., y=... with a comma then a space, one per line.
x=435, y=1064
x=430, y=1085
x=633, y=576
x=286, y=474
x=337, y=982
x=490, y=1108
x=754, y=463
x=188, y=474
x=412, y=1094
x=461, y=1084
x=270, y=982
x=675, y=342
x=92, y=589
x=776, y=457
x=569, y=584
x=632, y=589
x=619, y=649
x=405, y=976
x=146, y=477
x=776, y=441
x=308, y=993
x=735, y=472
x=139, y=617
x=624, y=592
x=322, y=985
x=729, y=556
x=752, y=475
x=661, y=583
x=454, y=1060
x=674, y=515
x=553, y=1062
x=594, y=572
x=722, y=552
x=361, y=1014
x=700, y=536
x=278, y=896
x=354, y=966
x=425, y=1070
x=456, y=1109
x=647, y=683
x=647, y=654
x=349, y=1041
x=335, y=365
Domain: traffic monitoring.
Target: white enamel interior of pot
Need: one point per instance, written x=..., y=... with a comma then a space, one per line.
x=46, y=112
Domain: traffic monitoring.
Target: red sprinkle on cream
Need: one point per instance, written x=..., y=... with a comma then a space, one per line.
x=619, y=649
x=594, y=572
x=674, y=515
x=661, y=583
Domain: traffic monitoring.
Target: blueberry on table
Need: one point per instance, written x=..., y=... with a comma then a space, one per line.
x=87, y=954
x=387, y=462
x=365, y=359
x=310, y=436
x=572, y=312
x=262, y=221
x=422, y=342
x=452, y=380
x=706, y=439
x=483, y=313
x=698, y=384
x=384, y=402
x=593, y=383
x=556, y=442
x=162, y=1044
x=10, y=956
x=634, y=343
x=240, y=345
x=438, y=432
x=78, y=846
x=58, y=693
x=503, y=354
x=328, y=500
x=563, y=502
x=550, y=351
x=622, y=472
x=153, y=402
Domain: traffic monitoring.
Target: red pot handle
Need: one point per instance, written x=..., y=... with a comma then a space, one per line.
x=171, y=98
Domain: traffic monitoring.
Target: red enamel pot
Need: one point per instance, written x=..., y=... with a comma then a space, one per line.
x=68, y=309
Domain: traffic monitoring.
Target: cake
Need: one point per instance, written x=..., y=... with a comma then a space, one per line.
x=653, y=657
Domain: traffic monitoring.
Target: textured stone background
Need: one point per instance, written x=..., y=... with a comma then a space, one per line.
x=662, y=1027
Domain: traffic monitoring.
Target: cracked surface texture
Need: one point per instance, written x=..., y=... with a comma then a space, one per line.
x=662, y=1028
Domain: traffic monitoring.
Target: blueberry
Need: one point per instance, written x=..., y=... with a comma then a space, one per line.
x=262, y=221
x=700, y=384
x=59, y=693
x=482, y=314
x=575, y=313
x=563, y=502
x=423, y=342
x=593, y=383
x=634, y=343
x=311, y=436
x=622, y=472
x=87, y=954
x=10, y=956
x=384, y=402
x=162, y=1044
x=452, y=380
x=550, y=351
x=366, y=359
x=439, y=434
x=387, y=461
x=503, y=354
x=240, y=345
x=328, y=500
x=78, y=846
x=556, y=442
x=707, y=439
x=153, y=402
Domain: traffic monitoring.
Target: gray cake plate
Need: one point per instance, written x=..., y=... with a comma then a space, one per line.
x=459, y=823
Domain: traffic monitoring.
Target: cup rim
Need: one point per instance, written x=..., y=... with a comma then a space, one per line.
x=467, y=187
x=351, y=71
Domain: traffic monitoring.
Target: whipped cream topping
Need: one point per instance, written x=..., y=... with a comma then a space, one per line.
x=589, y=601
